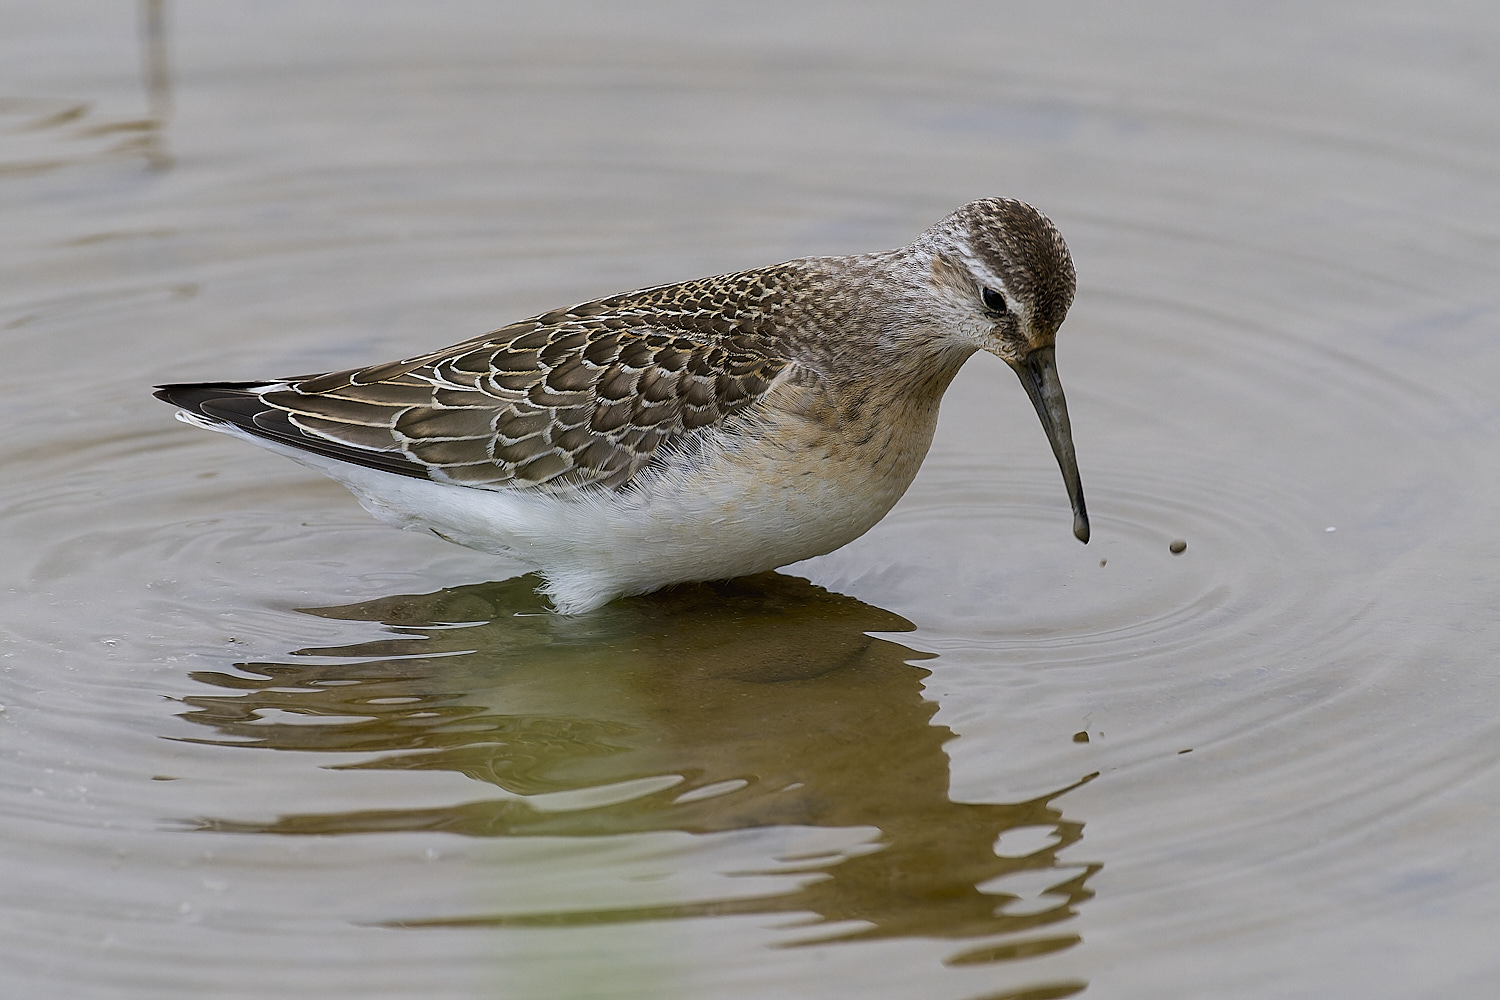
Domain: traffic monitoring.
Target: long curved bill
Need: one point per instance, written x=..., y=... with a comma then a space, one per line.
x=1038, y=372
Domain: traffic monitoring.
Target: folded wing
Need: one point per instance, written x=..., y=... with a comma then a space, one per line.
x=579, y=397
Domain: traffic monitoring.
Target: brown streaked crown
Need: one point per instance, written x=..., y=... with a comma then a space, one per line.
x=1024, y=248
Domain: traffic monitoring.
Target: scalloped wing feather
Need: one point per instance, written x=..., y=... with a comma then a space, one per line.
x=586, y=396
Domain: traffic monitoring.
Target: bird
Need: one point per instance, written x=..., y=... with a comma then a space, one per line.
x=686, y=432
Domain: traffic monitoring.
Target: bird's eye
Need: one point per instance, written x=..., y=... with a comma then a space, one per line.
x=993, y=300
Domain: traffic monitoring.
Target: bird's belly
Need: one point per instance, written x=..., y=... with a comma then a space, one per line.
x=733, y=508
x=738, y=515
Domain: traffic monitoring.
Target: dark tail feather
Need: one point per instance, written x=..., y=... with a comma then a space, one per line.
x=192, y=395
x=239, y=404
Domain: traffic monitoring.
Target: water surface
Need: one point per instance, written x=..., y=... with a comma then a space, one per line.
x=255, y=744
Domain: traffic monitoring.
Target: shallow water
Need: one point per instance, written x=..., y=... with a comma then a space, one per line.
x=256, y=744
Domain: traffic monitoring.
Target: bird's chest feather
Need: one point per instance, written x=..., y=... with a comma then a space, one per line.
x=807, y=472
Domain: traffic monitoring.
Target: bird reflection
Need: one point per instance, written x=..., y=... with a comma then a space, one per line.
x=756, y=703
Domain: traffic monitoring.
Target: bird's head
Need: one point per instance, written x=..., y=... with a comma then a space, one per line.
x=1006, y=280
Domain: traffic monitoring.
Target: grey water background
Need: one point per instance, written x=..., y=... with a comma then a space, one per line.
x=255, y=744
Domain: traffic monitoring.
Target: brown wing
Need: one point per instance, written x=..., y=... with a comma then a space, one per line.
x=578, y=397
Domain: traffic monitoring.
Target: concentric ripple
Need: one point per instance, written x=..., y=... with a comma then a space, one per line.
x=256, y=744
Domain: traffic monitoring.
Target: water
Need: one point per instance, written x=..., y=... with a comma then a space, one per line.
x=257, y=744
